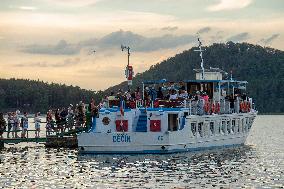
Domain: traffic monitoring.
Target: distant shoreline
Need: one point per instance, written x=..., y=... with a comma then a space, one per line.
x=282, y=113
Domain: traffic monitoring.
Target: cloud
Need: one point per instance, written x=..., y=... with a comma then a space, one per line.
x=230, y=5
x=44, y=64
x=164, y=42
x=113, y=40
x=269, y=40
x=28, y=8
x=73, y=3
x=169, y=28
x=239, y=37
x=140, y=43
x=204, y=30
x=61, y=48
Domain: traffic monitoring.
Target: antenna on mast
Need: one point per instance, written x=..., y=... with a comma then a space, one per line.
x=202, y=62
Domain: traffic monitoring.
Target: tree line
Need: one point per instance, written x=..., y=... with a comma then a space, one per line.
x=262, y=67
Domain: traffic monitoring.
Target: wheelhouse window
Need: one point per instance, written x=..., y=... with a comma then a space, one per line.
x=172, y=122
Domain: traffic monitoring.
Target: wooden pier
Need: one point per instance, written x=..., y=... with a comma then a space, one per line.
x=52, y=139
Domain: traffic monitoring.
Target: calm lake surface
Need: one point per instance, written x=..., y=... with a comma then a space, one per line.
x=258, y=164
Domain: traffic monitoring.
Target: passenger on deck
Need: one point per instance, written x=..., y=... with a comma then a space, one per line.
x=183, y=93
x=146, y=94
x=128, y=95
x=160, y=94
x=153, y=93
x=111, y=96
x=37, y=124
x=63, y=115
x=244, y=97
x=133, y=96
x=173, y=95
x=119, y=95
x=138, y=94
x=2, y=125
x=197, y=96
x=205, y=97
x=232, y=103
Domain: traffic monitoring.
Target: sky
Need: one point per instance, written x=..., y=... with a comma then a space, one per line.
x=54, y=40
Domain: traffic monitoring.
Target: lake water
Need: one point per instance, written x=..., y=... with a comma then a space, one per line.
x=258, y=164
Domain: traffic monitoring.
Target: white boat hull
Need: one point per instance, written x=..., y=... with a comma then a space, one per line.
x=171, y=141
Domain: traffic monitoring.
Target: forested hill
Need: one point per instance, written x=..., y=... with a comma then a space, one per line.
x=262, y=67
x=32, y=96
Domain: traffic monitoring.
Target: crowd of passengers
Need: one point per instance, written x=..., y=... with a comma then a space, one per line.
x=172, y=98
x=150, y=94
x=16, y=124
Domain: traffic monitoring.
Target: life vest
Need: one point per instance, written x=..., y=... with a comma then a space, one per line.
x=241, y=107
x=217, y=107
x=249, y=107
x=206, y=107
x=213, y=108
x=156, y=104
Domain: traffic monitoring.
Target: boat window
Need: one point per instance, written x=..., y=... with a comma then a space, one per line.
x=228, y=127
x=223, y=126
x=238, y=126
x=212, y=127
x=200, y=129
x=172, y=122
x=234, y=125
x=250, y=123
x=193, y=128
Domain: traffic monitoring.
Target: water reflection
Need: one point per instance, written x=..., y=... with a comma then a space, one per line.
x=257, y=165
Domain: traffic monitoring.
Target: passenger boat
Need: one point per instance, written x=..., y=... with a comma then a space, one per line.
x=179, y=125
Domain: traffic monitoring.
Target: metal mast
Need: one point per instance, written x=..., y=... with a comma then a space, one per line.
x=129, y=69
x=200, y=51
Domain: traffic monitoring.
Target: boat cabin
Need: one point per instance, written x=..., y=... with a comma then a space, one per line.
x=165, y=105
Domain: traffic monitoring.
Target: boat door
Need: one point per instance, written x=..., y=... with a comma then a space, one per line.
x=172, y=121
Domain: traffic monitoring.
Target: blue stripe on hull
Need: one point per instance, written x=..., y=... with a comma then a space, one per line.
x=160, y=151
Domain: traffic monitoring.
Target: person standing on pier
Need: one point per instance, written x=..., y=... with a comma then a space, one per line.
x=16, y=124
x=37, y=124
x=25, y=124
x=2, y=125
x=10, y=121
